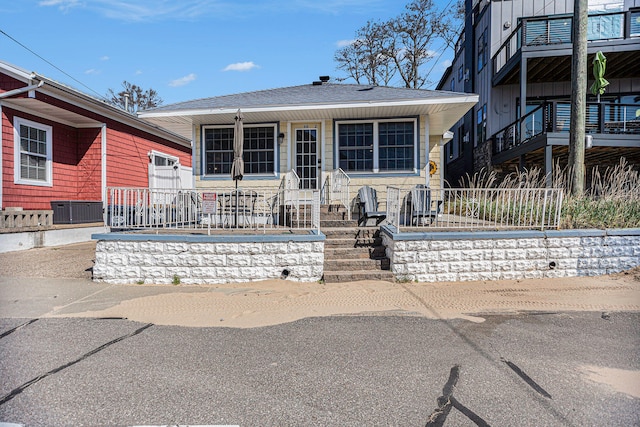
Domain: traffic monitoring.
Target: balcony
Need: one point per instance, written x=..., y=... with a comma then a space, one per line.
x=546, y=43
x=549, y=124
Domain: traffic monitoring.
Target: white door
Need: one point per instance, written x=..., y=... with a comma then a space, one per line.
x=306, y=157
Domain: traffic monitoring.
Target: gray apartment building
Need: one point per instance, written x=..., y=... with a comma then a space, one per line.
x=515, y=50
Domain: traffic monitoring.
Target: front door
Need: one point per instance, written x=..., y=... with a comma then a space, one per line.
x=306, y=143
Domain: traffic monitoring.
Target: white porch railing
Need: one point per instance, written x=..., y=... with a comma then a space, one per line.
x=473, y=209
x=201, y=209
x=335, y=190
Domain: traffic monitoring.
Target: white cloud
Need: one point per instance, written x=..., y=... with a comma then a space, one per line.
x=104, y=58
x=344, y=43
x=446, y=63
x=188, y=10
x=63, y=5
x=241, y=66
x=183, y=80
x=92, y=71
x=138, y=72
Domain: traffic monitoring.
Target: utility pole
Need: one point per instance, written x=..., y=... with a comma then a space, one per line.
x=578, y=97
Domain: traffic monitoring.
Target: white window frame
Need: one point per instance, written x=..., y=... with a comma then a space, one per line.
x=376, y=145
x=17, y=176
x=153, y=154
x=203, y=152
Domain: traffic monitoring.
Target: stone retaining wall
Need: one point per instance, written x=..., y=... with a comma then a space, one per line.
x=163, y=259
x=469, y=256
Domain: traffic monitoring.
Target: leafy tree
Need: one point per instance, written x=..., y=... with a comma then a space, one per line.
x=139, y=99
x=400, y=46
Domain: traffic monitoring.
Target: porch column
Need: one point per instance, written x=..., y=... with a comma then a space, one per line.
x=1, y=183
x=523, y=95
x=103, y=163
x=548, y=165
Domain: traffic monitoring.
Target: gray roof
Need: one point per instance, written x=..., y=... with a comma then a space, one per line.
x=310, y=94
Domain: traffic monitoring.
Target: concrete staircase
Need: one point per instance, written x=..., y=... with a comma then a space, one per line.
x=351, y=252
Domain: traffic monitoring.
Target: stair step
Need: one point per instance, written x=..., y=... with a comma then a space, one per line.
x=352, y=243
x=352, y=232
x=357, y=264
x=351, y=276
x=336, y=223
x=375, y=252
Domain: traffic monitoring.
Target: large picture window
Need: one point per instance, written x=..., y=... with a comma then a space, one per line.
x=33, y=150
x=377, y=146
x=258, y=155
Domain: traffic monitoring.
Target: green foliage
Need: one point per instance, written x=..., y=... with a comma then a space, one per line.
x=588, y=212
x=176, y=279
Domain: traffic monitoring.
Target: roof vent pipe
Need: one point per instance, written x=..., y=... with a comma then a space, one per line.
x=324, y=79
x=317, y=83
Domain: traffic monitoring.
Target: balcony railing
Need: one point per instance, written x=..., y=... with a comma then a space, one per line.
x=603, y=118
x=540, y=31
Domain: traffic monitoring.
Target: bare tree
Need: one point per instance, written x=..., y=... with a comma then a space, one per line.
x=400, y=46
x=366, y=59
x=450, y=25
x=133, y=98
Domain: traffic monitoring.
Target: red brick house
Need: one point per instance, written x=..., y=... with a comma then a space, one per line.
x=61, y=144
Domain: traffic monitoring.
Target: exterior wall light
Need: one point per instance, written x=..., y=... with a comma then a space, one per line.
x=280, y=138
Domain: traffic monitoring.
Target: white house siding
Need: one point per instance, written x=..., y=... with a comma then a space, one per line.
x=287, y=160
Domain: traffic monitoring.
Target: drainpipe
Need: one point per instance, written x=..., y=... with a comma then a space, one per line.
x=21, y=90
x=446, y=137
x=103, y=169
x=1, y=183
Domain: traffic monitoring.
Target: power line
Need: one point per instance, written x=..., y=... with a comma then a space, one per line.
x=53, y=65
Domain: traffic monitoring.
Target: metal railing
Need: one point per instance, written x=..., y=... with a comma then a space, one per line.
x=474, y=209
x=550, y=30
x=203, y=209
x=336, y=190
x=554, y=116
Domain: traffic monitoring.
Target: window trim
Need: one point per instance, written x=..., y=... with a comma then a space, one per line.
x=153, y=154
x=248, y=176
x=376, y=146
x=17, y=176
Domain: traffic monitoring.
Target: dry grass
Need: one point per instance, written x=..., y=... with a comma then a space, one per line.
x=610, y=200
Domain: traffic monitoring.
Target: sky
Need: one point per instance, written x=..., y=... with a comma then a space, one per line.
x=188, y=49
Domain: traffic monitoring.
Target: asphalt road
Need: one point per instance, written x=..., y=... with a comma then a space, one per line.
x=379, y=370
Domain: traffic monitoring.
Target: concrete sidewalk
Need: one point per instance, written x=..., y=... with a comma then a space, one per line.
x=53, y=282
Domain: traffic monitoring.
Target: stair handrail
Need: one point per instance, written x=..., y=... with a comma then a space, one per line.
x=290, y=185
x=339, y=189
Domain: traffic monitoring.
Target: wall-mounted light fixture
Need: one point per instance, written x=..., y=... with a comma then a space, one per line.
x=280, y=138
